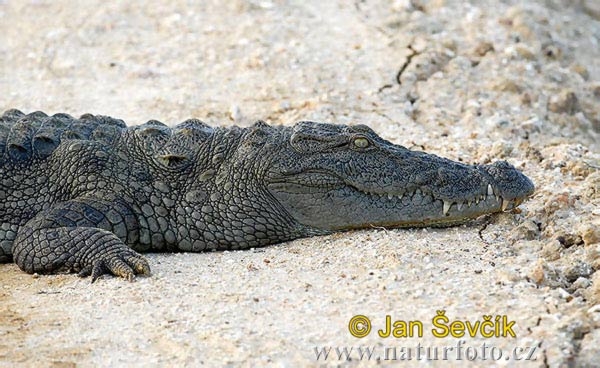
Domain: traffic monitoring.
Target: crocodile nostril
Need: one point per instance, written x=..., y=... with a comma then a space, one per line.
x=507, y=181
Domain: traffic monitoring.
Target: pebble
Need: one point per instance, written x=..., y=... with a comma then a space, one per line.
x=525, y=51
x=235, y=113
x=568, y=240
x=483, y=48
x=564, y=102
x=581, y=70
x=594, y=309
x=596, y=89
x=592, y=7
x=593, y=292
x=507, y=85
x=581, y=283
x=593, y=255
x=551, y=251
x=537, y=273
x=577, y=270
x=590, y=233
x=527, y=230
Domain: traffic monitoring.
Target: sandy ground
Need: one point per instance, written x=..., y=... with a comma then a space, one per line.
x=473, y=82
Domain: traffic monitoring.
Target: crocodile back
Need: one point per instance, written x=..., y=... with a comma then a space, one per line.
x=24, y=138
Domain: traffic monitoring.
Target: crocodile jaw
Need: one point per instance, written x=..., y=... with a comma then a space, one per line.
x=328, y=202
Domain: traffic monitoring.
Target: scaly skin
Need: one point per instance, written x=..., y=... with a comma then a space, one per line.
x=88, y=195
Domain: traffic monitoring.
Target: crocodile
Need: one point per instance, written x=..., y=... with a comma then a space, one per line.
x=88, y=195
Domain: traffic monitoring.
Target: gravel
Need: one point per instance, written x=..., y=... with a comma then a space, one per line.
x=473, y=82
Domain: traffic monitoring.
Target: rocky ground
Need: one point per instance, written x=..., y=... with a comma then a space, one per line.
x=473, y=81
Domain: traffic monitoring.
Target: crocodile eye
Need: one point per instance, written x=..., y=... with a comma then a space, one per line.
x=361, y=142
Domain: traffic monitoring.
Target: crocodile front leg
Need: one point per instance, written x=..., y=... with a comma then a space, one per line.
x=85, y=235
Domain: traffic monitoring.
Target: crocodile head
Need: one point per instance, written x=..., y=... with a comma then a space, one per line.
x=335, y=177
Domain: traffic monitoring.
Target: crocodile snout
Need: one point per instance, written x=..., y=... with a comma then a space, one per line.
x=508, y=183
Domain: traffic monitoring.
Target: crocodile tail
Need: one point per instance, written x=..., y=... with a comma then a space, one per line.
x=24, y=137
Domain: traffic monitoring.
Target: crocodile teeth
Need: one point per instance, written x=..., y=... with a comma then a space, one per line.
x=497, y=198
x=400, y=196
x=505, y=204
x=469, y=203
x=490, y=190
x=477, y=200
x=390, y=196
x=447, y=206
x=459, y=205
